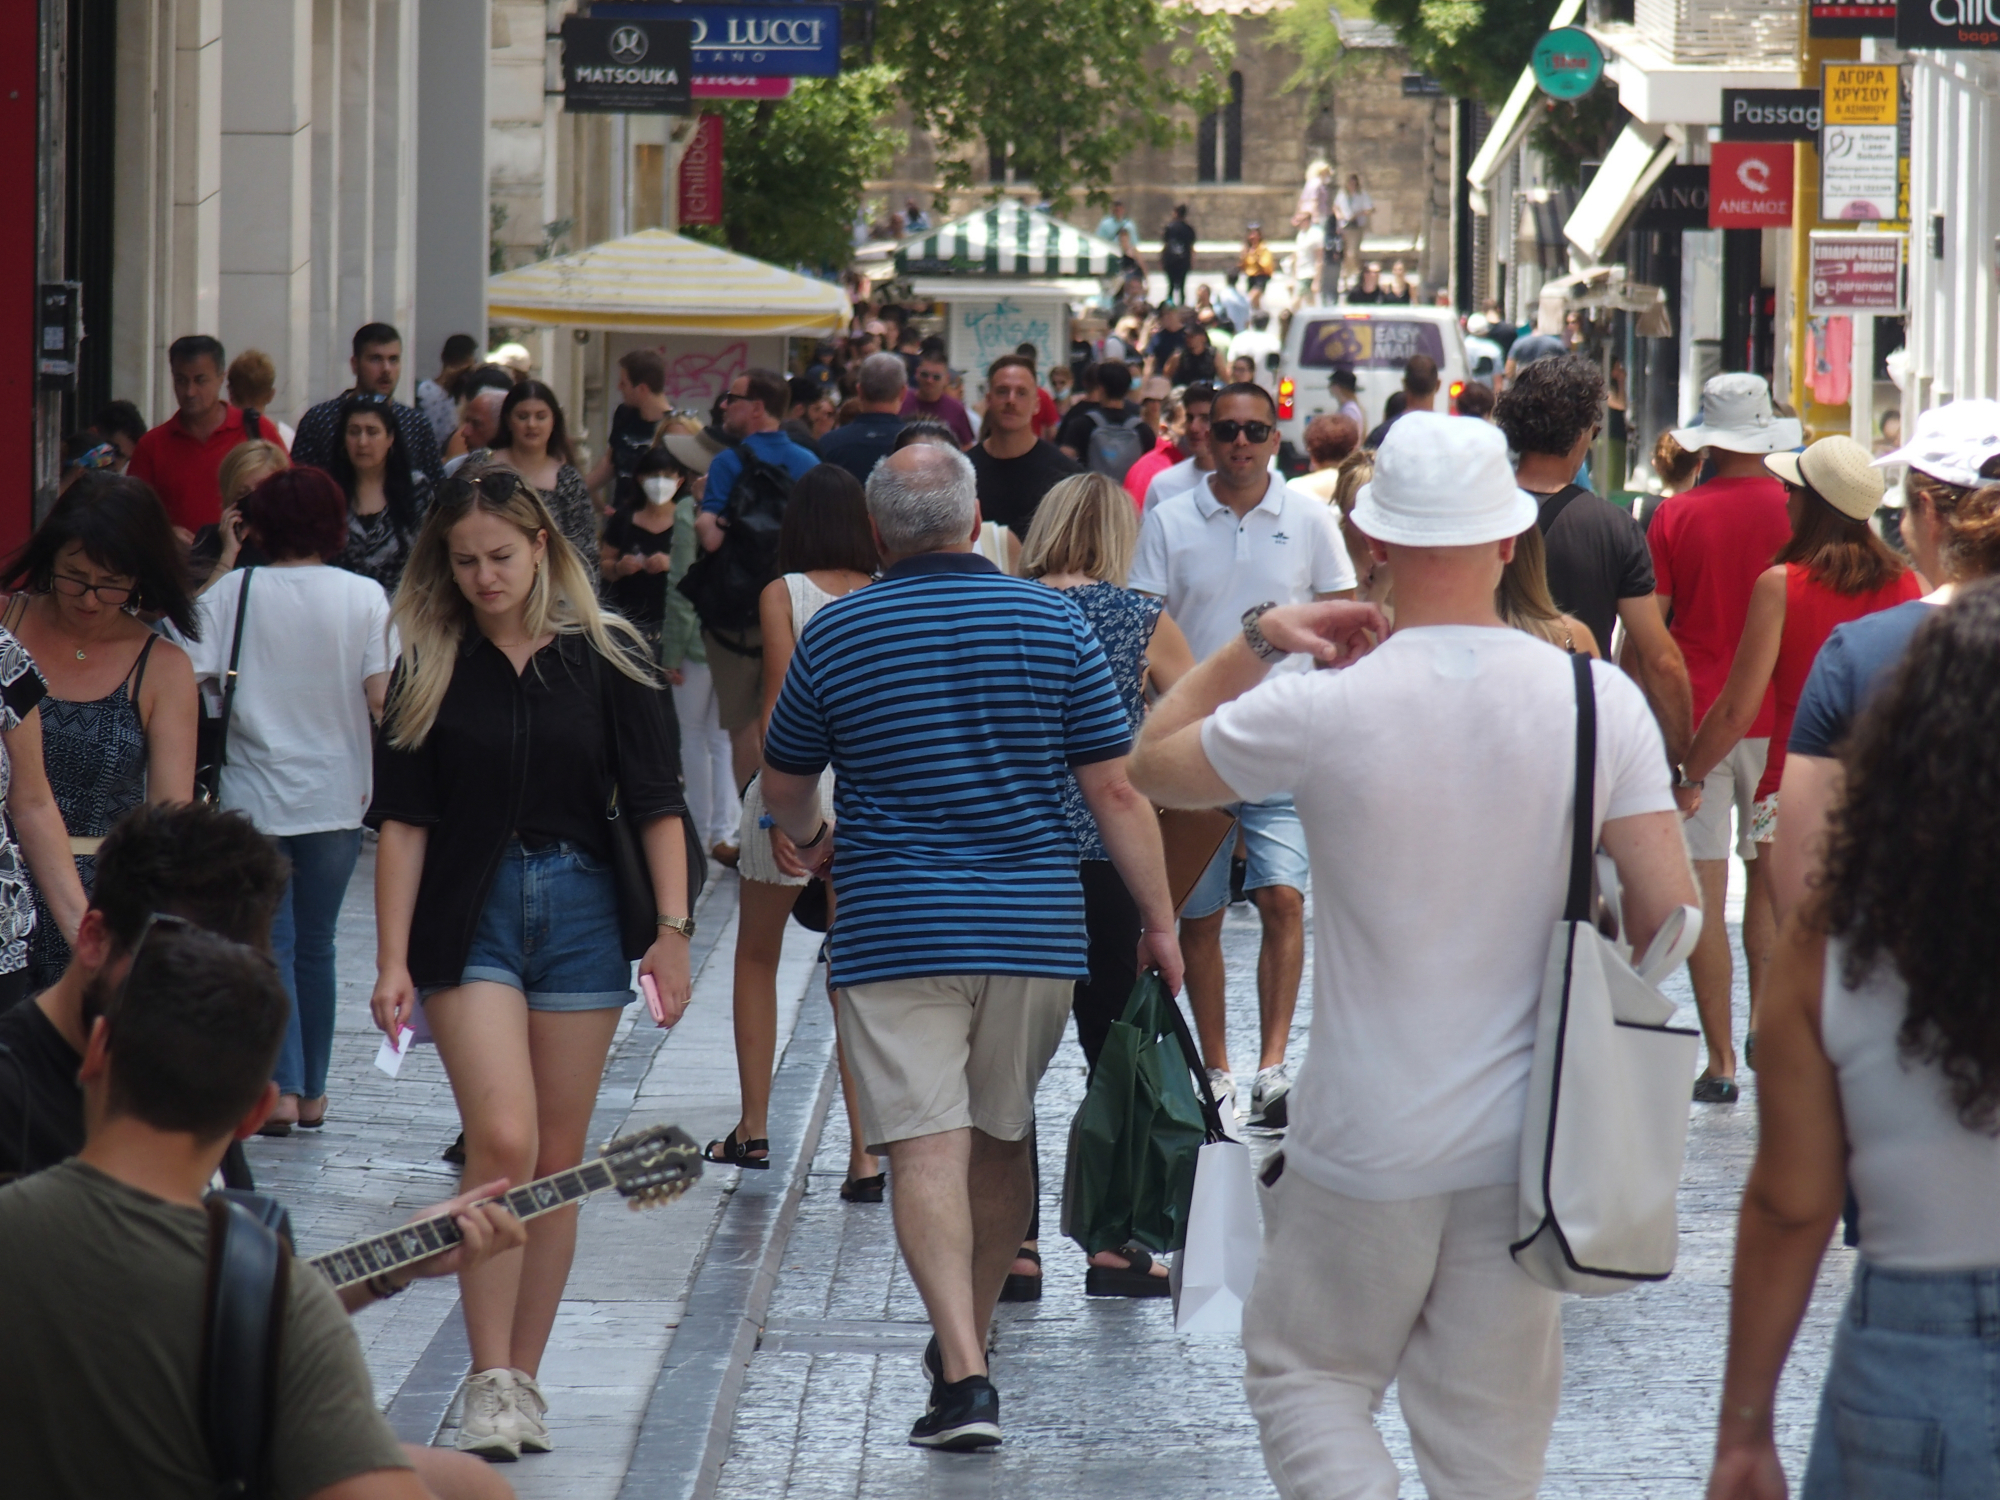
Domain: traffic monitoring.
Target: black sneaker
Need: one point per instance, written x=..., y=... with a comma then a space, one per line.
x=934, y=1364
x=964, y=1417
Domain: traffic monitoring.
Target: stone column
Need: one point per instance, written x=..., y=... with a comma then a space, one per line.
x=452, y=226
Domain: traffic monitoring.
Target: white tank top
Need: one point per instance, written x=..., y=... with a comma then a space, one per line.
x=807, y=600
x=1929, y=1189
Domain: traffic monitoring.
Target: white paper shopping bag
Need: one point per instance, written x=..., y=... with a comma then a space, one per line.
x=1213, y=1273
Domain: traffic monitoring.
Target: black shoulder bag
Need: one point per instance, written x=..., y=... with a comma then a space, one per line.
x=1553, y=506
x=243, y=1319
x=211, y=751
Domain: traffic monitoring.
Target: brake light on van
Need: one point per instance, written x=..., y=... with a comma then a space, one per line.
x=1287, y=394
x=1457, y=386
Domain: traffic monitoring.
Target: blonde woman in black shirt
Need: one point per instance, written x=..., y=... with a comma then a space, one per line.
x=516, y=707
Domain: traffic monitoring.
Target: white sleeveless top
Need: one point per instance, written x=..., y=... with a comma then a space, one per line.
x=807, y=600
x=1929, y=1189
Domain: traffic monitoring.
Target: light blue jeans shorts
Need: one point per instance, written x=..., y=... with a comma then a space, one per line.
x=1911, y=1406
x=1275, y=840
x=550, y=930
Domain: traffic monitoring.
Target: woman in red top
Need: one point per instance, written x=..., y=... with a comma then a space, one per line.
x=1834, y=569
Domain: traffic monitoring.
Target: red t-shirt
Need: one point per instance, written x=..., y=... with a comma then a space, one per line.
x=1811, y=612
x=1163, y=457
x=182, y=470
x=1047, y=418
x=1710, y=546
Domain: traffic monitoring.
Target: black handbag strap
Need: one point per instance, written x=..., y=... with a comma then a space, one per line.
x=1582, y=870
x=229, y=677
x=249, y=1272
x=1211, y=1112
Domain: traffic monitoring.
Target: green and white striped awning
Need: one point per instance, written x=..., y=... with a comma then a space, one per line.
x=1008, y=239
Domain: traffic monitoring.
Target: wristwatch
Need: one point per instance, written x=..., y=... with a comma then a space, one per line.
x=683, y=925
x=1681, y=782
x=1253, y=634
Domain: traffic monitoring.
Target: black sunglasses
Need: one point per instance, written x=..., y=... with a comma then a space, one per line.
x=1228, y=431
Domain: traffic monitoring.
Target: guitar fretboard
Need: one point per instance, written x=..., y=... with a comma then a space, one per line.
x=427, y=1237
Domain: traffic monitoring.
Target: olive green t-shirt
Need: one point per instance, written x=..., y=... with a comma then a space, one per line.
x=101, y=1292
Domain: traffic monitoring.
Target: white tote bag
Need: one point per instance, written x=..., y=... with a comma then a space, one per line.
x=1214, y=1271
x=1608, y=1095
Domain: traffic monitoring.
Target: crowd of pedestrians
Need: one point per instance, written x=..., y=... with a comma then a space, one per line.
x=924, y=674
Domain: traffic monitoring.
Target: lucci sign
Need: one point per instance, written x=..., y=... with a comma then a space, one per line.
x=1749, y=185
x=1567, y=62
x=627, y=67
x=753, y=41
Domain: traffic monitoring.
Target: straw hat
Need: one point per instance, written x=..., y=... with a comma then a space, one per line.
x=1443, y=482
x=1838, y=470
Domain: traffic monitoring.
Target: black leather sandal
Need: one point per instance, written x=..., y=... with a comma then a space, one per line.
x=864, y=1189
x=1708, y=1089
x=1134, y=1280
x=1021, y=1288
x=730, y=1152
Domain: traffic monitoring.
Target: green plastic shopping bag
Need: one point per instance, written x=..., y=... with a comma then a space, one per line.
x=1134, y=1142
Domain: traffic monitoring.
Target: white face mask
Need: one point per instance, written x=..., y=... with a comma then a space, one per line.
x=660, y=489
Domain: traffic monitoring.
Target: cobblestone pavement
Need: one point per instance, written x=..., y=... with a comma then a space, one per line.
x=1101, y=1397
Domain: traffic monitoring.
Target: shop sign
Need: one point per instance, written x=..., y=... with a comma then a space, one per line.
x=1851, y=18
x=1769, y=114
x=1567, y=62
x=1860, y=172
x=1861, y=93
x=1749, y=185
x=1948, y=23
x=742, y=88
x=1855, y=273
x=760, y=41
x=1421, y=86
x=1679, y=200
x=627, y=67
x=701, y=174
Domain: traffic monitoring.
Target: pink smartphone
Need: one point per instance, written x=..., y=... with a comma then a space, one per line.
x=651, y=991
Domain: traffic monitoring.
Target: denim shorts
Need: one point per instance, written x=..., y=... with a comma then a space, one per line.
x=1913, y=1390
x=1276, y=843
x=550, y=930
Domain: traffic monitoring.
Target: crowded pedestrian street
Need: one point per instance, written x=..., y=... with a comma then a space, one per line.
x=770, y=750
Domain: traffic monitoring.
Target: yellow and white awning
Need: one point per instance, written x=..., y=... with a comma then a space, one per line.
x=656, y=281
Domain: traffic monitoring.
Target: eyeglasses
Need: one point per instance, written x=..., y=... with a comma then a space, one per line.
x=729, y=398
x=72, y=587
x=1227, y=431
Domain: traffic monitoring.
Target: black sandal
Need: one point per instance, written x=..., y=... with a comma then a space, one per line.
x=1134, y=1280
x=1708, y=1089
x=1020, y=1288
x=730, y=1152
x=864, y=1189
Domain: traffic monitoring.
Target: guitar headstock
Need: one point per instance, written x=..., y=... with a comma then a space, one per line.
x=652, y=1166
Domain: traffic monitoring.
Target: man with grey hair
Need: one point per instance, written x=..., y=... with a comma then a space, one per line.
x=949, y=698
x=859, y=445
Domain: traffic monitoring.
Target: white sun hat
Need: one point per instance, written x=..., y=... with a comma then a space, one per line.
x=1736, y=416
x=1951, y=442
x=1443, y=482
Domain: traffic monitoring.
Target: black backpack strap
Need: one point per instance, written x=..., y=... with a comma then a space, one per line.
x=253, y=425
x=1553, y=507
x=249, y=1271
x=1582, y=869
x=229, y=679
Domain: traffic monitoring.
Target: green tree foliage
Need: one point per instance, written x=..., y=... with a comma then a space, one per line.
x=1570, y=132
x=793, y=170
x=1475, y=48
x=1065, y=85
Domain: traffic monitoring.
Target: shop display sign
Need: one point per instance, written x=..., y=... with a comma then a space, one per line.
x=627, y=67
x=1851, y=18
x=756, y=41
x=1861, y=93
x=1849, y=272
x=701, y=173
x=1771, y=114
x=1567, y=62
x=1956, y=24
x=1749, y=185
x=1860, y=172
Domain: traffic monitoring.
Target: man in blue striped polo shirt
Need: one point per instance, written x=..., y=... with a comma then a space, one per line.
x=950, y=699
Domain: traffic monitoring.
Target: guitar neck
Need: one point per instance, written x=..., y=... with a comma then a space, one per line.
x=427, y=1237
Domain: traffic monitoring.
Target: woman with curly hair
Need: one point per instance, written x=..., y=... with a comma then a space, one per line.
x=1881, y=1068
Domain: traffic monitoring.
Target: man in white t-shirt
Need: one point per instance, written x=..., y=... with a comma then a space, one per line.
x=1240, y=538
x=1434, y=781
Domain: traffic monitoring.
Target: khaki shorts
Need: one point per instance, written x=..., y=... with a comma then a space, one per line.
x=739, y=679
x=1732, y=784
x=949, y=1051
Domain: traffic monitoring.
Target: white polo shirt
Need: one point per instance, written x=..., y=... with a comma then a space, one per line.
x=1210, y=567
x=1180, y=478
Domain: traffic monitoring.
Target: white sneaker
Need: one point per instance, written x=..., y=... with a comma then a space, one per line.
x=530, y=1413
x=486, y=1423
x=1269, y=1101
x=1222, y=1084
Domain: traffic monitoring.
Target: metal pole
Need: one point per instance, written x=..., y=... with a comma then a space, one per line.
x=51, y=223
x=1861, y=397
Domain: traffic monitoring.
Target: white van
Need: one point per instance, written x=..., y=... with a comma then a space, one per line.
x=1371, y=340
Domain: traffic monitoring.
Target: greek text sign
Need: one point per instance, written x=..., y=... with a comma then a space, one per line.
x=1860, y=93
x=1749, y=185
x=753, y=41
x=1851, y=273
x=1859, y=172
x=1851, y=18
x=638, y=67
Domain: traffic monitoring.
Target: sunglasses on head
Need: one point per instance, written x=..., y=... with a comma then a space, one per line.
x=1228, y=431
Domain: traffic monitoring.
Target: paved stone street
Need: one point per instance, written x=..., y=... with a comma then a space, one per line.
x=1099, y=1396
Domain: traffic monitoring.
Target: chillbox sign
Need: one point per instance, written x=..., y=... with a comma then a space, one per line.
x=1749, y=185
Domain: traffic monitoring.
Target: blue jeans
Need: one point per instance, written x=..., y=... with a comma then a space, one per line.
x=1913, y=1390
x=1275, y=842
x=302, y=948
x=550, y=930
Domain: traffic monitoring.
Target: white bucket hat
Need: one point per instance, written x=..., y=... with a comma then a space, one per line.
x=1837, y=469
x=1736, y=416
x=1443, y=482
x=1951, y=442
